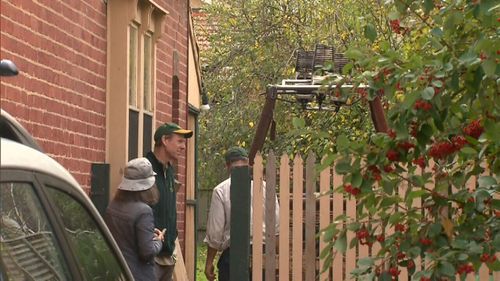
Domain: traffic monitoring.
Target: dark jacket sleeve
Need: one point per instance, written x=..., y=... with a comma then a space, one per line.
x=148, y=248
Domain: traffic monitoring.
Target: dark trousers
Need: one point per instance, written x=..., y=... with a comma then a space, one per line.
x=223, y=266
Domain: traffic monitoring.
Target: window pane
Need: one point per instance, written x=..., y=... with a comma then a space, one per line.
x=147, y=133
x=92, y=250
x=133, y=134
x=28, y=248
x=147, y=72
x=132, y=65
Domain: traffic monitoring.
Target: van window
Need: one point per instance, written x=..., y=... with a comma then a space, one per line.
x=91, y=248
x=28, y=248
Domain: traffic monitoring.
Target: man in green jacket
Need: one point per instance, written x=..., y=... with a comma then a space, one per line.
x=170, y=145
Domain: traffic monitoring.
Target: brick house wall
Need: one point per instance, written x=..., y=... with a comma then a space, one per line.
x=60, y=48
x=59, y=95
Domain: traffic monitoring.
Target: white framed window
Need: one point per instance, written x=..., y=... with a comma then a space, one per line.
x=134, y=28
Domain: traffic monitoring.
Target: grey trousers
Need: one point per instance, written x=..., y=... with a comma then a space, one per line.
x=164, y=272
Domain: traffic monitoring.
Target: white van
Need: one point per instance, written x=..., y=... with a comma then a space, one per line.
x=49, y=228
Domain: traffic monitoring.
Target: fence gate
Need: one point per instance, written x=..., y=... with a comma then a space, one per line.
x=293, y=254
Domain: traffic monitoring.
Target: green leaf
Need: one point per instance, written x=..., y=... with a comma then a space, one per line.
x=342, y=142
x=489, y=67
x=330, y=232
x=446, y=268
x=380, y=139
x=469, y=151
x=393, y=15
x=298, y=122
x=428, y=93
x=395, y=218
x=353, y=226
x=354, y=54
x=415, y=194
x=437, y=83
x=428, y=5
x=370, y=32
x=459, y=244
x=480, y=196
x=327, y=161
x=388, y=187
x=341, y=242
x=435, y=229
x=438, y=120
x=496, y=242
x=425, y=134
x=494, y=266
x=388, y=201
x=343, y=166
x=365, y=262
x=409, y=100
x=486, y=181
x=414, y=252
x=495, y=204
x=492, y=129
x=468, y=58
x=474, y=248
x=353, y=243
x=357, y=179
x=437, y=32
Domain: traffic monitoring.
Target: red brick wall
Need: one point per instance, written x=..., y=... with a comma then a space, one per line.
x=60, y=94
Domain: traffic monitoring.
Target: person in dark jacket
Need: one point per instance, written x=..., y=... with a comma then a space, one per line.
x=170, y=145
x=130, y=219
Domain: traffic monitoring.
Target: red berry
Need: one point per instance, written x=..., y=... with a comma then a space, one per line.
x=355, y=191
x=362, y=234
x=396, y=28
x=362, y=93
x=426, y=241
x=465, y=268
x=423, y=105
x=391, y=133
x=458, y=142
x=474, y=129
x=394, y=271
x=351, y=190
x=388, y=169
x=420, y=161
x=485, y=257
x=400, y=227
x=375, y=172
x=406, y=145
x=380, y=238
x=392, y=155
x=400, y=256
x=441, y=150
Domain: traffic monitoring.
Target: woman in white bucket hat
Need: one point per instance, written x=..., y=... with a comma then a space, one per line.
x=130, y=218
